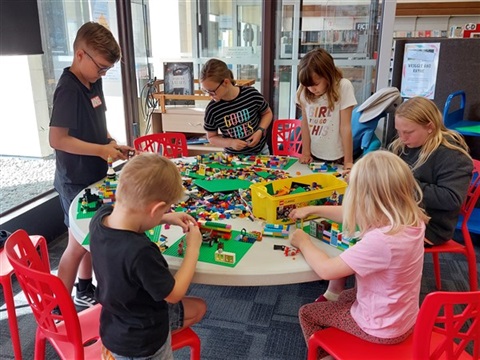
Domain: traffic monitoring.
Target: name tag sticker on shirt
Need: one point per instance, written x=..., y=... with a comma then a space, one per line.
x=96, y=101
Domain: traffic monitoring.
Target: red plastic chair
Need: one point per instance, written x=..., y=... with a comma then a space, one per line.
x=174, y=145
x=447, y=323
x=287, y=137
x=170, y=144
x=149, y=143
x=73, y=336
x=451, y=246
x=6, y=272
x=187, y=337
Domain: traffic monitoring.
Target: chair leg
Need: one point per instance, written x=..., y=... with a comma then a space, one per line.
x=312, y=349
x=40, y=343
x=195, y=348
x=436, y=269
x=187, y=337
x=12, y=316
x=472, y=272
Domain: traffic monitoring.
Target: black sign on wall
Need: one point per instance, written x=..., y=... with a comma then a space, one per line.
x=19, y=28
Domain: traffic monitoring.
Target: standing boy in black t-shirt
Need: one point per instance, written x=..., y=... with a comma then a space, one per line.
x=134, y=282
x=79, y=135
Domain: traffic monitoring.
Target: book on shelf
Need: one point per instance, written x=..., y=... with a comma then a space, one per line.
x=197, y=140
x=178, y=80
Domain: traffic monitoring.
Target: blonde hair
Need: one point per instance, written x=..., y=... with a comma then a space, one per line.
x=382, y=192
x=148, y=178
x=319, y=62
x=423, y=111
x=98, y=38
x=217, y=71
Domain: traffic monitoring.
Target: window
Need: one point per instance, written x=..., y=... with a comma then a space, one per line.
x=26, y=102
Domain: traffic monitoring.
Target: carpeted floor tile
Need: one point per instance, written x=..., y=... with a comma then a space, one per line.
x=242, y=323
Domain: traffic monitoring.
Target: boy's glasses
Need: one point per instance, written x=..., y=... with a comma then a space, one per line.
x=101, y=69
x=212, y=92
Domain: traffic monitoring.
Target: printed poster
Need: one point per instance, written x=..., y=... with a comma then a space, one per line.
x=419, y=72
x=178, y=81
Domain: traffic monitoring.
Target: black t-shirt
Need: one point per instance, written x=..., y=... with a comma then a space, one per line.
x=82, y=111
x=133, y=281
x=238, y=118
x=444, y=179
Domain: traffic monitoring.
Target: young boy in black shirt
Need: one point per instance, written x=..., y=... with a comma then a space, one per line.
x=82, y=143
x=142, y=301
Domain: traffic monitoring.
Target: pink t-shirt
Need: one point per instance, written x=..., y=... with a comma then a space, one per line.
x=388, y=273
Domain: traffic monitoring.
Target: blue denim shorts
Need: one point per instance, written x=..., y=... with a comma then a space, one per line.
x=164, y=353
x=176, y=315
x=65, y=201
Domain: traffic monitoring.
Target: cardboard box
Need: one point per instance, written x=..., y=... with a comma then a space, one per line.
x=275, y=209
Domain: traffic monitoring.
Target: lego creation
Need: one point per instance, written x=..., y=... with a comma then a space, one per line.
x=90, y=202
x=330, y=232
x=249, y=237
x=225, y=257
x=276, y=230
x=111, y=175
x=323, y=167
x=207, y=253
x=212, y=232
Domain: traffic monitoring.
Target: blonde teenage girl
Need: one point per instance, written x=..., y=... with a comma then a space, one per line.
x=439, y=160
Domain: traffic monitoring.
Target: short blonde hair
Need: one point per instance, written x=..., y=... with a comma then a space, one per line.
x=148, y=178
x=319, y=62
x=423, y=111
x=382, y=192
x=99, y=39
x=217, y=71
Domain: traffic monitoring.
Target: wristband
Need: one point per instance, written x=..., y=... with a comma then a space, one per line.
x=110, y=140
x=262, y=130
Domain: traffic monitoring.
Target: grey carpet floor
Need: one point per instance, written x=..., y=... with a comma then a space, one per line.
x=241, y=322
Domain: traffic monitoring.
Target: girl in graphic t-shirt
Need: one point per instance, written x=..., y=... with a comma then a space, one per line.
x=387, y=262
x=326, y=100
x=237, y=116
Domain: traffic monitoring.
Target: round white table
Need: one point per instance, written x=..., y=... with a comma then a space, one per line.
x=261, y=265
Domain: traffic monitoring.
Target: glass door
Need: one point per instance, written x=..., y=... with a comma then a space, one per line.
x=231, y=31
x=349, y=32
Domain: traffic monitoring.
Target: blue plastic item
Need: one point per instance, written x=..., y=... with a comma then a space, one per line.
x=454, y=120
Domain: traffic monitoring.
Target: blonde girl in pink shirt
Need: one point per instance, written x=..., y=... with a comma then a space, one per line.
x=382, y=200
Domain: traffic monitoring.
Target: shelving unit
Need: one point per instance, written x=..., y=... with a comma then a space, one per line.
x=334, y=41
x=199, y=95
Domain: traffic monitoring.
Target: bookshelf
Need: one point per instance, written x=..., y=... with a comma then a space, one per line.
x=198, y=94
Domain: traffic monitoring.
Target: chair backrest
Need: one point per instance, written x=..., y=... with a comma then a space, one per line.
x=174, y=145
x=44, y=292
x=149, y=143
x=287, y=137
x=473, y=194
x=169, y=144
x=447, y=323
x=452, y=117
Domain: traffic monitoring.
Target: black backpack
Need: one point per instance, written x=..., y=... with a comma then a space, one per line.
x=4, y=234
